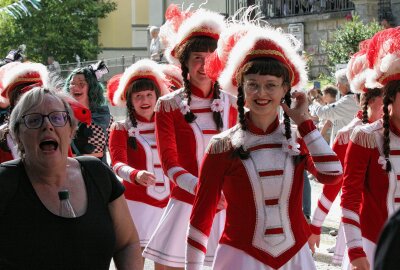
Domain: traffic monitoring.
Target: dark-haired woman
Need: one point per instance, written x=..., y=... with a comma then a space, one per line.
x=133, y=146
x=258, y=164
x=371, y=186
x=186, y=119
x=83, y=85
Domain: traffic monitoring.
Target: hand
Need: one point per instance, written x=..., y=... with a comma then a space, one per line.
x=299, y=113
x=145, y=178
x=313, y=241
x=222, y=202
x=360, y=264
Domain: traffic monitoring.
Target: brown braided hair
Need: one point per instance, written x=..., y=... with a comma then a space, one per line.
x=369, y=95
x=197, y=44
x=262, y=66
x=137, y=86
x=389, y=93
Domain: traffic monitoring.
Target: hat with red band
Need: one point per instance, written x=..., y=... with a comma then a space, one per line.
x=264, y=42
x=180, y=26
x=142, y=69
x=356, y=71
x=383, y=57
x=23, y=73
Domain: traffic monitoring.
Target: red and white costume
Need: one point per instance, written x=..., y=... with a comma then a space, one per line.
x=366, y=202
x=329, y=192
x=146, y=204
x=262, y=191
x=182, y=146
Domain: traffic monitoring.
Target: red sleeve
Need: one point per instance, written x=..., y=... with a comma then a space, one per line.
x=356, y=164
x=118, y=145
x=321, y=161
x=211, y=179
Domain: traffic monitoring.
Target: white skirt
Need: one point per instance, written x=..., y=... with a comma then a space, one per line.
x=228, y=257
x=340, y=246
x=167, y=246
x=146, y=218
x=369, y=249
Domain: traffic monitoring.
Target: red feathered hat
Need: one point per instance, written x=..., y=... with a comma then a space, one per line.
x=34, y=74
x=181, y=25
x=383, y=56
x=173, y=74
x=261, y=42
x=112, y=86
x=142, y=69
x=357, y=68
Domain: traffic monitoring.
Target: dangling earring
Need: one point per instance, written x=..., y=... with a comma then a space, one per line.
x=283, y=100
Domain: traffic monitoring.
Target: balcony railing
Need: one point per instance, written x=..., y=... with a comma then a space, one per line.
x=287, y=8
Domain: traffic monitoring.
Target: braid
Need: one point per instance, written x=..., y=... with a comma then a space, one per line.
x=131, y=114
x=217, y=115
x=189, y=116
x=240, y=152
x=386, y=138
x=286, y=121
x=365, y=109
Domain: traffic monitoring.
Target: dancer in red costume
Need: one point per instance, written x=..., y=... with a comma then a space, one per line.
x=371, y=101
x=186, y=119
x=133, y=147
x=259, y=163
x=371, y=191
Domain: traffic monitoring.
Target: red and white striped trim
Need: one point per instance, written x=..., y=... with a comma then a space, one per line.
x=183, y=179
x=321, y=211
x=351, y=223
x=124, y=171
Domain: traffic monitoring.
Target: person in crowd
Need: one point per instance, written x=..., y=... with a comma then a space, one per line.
x=341, y=112
x=16, y=79
x=53, y=65
x=43, y=125
x=186, y=119
x=83, y=85
x=258, y=164
x=329, y=94
x=156, y=48
x=133, y=147
x=370, y=192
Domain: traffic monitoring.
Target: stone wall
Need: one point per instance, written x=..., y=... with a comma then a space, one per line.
x=316, y=28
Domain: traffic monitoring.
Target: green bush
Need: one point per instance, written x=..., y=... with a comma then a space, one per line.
x=346, y=40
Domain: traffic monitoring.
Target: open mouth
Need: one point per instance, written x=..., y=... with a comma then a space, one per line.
x=77, y=94
x=145, y=107
x=48, y=145
x=263, y=102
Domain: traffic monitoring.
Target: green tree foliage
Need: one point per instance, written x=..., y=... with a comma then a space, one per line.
x=60, y=28
x=346, y=40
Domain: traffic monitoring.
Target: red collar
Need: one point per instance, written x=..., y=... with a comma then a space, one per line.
x=253, y=129
x=144, y=120
x=198, y=92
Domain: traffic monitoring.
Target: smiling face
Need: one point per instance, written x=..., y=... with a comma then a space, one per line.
x=195, y=65
x=79, y=89
x=143, y=102
x=47, y=145
x=263, y=94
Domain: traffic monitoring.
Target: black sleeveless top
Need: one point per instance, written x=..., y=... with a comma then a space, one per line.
x=31, y=237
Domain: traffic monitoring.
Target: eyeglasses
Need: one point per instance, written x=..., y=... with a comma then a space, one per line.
x=253, y=87
x=35, y=120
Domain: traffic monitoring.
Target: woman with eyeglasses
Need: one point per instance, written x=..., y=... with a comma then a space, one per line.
x=34, y=234
x=83, y=85
x=259, y=163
